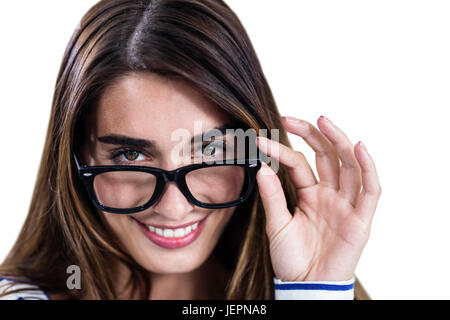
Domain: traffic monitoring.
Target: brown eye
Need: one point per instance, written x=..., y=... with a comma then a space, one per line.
x=131, y=155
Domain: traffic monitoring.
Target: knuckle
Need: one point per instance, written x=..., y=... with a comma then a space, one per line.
x=325, y=152
x=300, y=159
x=305, y=123
x=308, y=128
x=348, y=165
x=378, y=190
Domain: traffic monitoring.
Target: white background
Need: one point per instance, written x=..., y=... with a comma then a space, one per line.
x=380, y=70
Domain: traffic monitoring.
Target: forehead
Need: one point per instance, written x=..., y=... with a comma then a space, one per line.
x=149, y=105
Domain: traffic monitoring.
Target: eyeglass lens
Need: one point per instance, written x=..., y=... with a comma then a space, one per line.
x=131, y=189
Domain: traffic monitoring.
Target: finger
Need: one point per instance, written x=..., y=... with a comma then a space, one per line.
x=300, y=172
x=273, y=199
x=350, y=171
x=368, y=199
x=327, y=162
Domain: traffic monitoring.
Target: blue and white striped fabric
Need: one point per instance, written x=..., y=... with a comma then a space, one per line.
x=22, y=295
x=314, y=290
x=284, y=290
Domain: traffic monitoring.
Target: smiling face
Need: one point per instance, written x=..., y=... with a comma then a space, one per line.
x=149, y=108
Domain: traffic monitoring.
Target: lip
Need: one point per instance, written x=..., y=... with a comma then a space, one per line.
x=172, y=243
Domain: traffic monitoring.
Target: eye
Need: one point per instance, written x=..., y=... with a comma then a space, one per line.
x=212, y=149
x=209, y=150
x=131, y=155
x=127, y=155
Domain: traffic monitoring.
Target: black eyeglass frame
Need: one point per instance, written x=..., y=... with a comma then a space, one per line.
x=87, y=175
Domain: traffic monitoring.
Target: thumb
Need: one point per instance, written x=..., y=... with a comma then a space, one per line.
x=273, y=199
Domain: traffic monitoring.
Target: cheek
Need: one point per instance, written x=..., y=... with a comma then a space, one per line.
x=216, y=225
x=119, y=223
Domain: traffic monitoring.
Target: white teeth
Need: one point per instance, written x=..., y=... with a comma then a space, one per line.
x=178, y=233
x=170, y=233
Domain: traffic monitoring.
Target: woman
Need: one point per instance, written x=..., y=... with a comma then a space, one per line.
x=133, y=75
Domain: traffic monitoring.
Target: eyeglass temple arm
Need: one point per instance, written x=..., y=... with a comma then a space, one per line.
x=76, y=161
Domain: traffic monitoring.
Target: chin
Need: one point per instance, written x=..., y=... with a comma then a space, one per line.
x=172, y=263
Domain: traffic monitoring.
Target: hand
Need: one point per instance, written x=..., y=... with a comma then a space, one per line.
x=324, y=237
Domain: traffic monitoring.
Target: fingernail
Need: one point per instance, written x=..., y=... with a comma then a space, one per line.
x=325, y=118
x=265, y=170
x=261, y=140
x=362, y=145
x=291, y=119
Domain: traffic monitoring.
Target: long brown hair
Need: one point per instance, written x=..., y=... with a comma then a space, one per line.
x=200, y=41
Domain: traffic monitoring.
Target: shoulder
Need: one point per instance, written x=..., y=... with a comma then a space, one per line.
x=29, y=290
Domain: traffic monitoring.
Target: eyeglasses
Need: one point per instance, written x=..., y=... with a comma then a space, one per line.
x=130, y=189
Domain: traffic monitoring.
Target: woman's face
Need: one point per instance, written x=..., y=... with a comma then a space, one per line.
x=148, y=107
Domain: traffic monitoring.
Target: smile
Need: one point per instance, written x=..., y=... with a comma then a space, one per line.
x=172, y=238
x=173, y=233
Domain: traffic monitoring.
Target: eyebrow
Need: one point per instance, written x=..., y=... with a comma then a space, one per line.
x=118, y=139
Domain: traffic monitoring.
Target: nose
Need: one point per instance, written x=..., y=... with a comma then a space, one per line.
x=172, y=204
